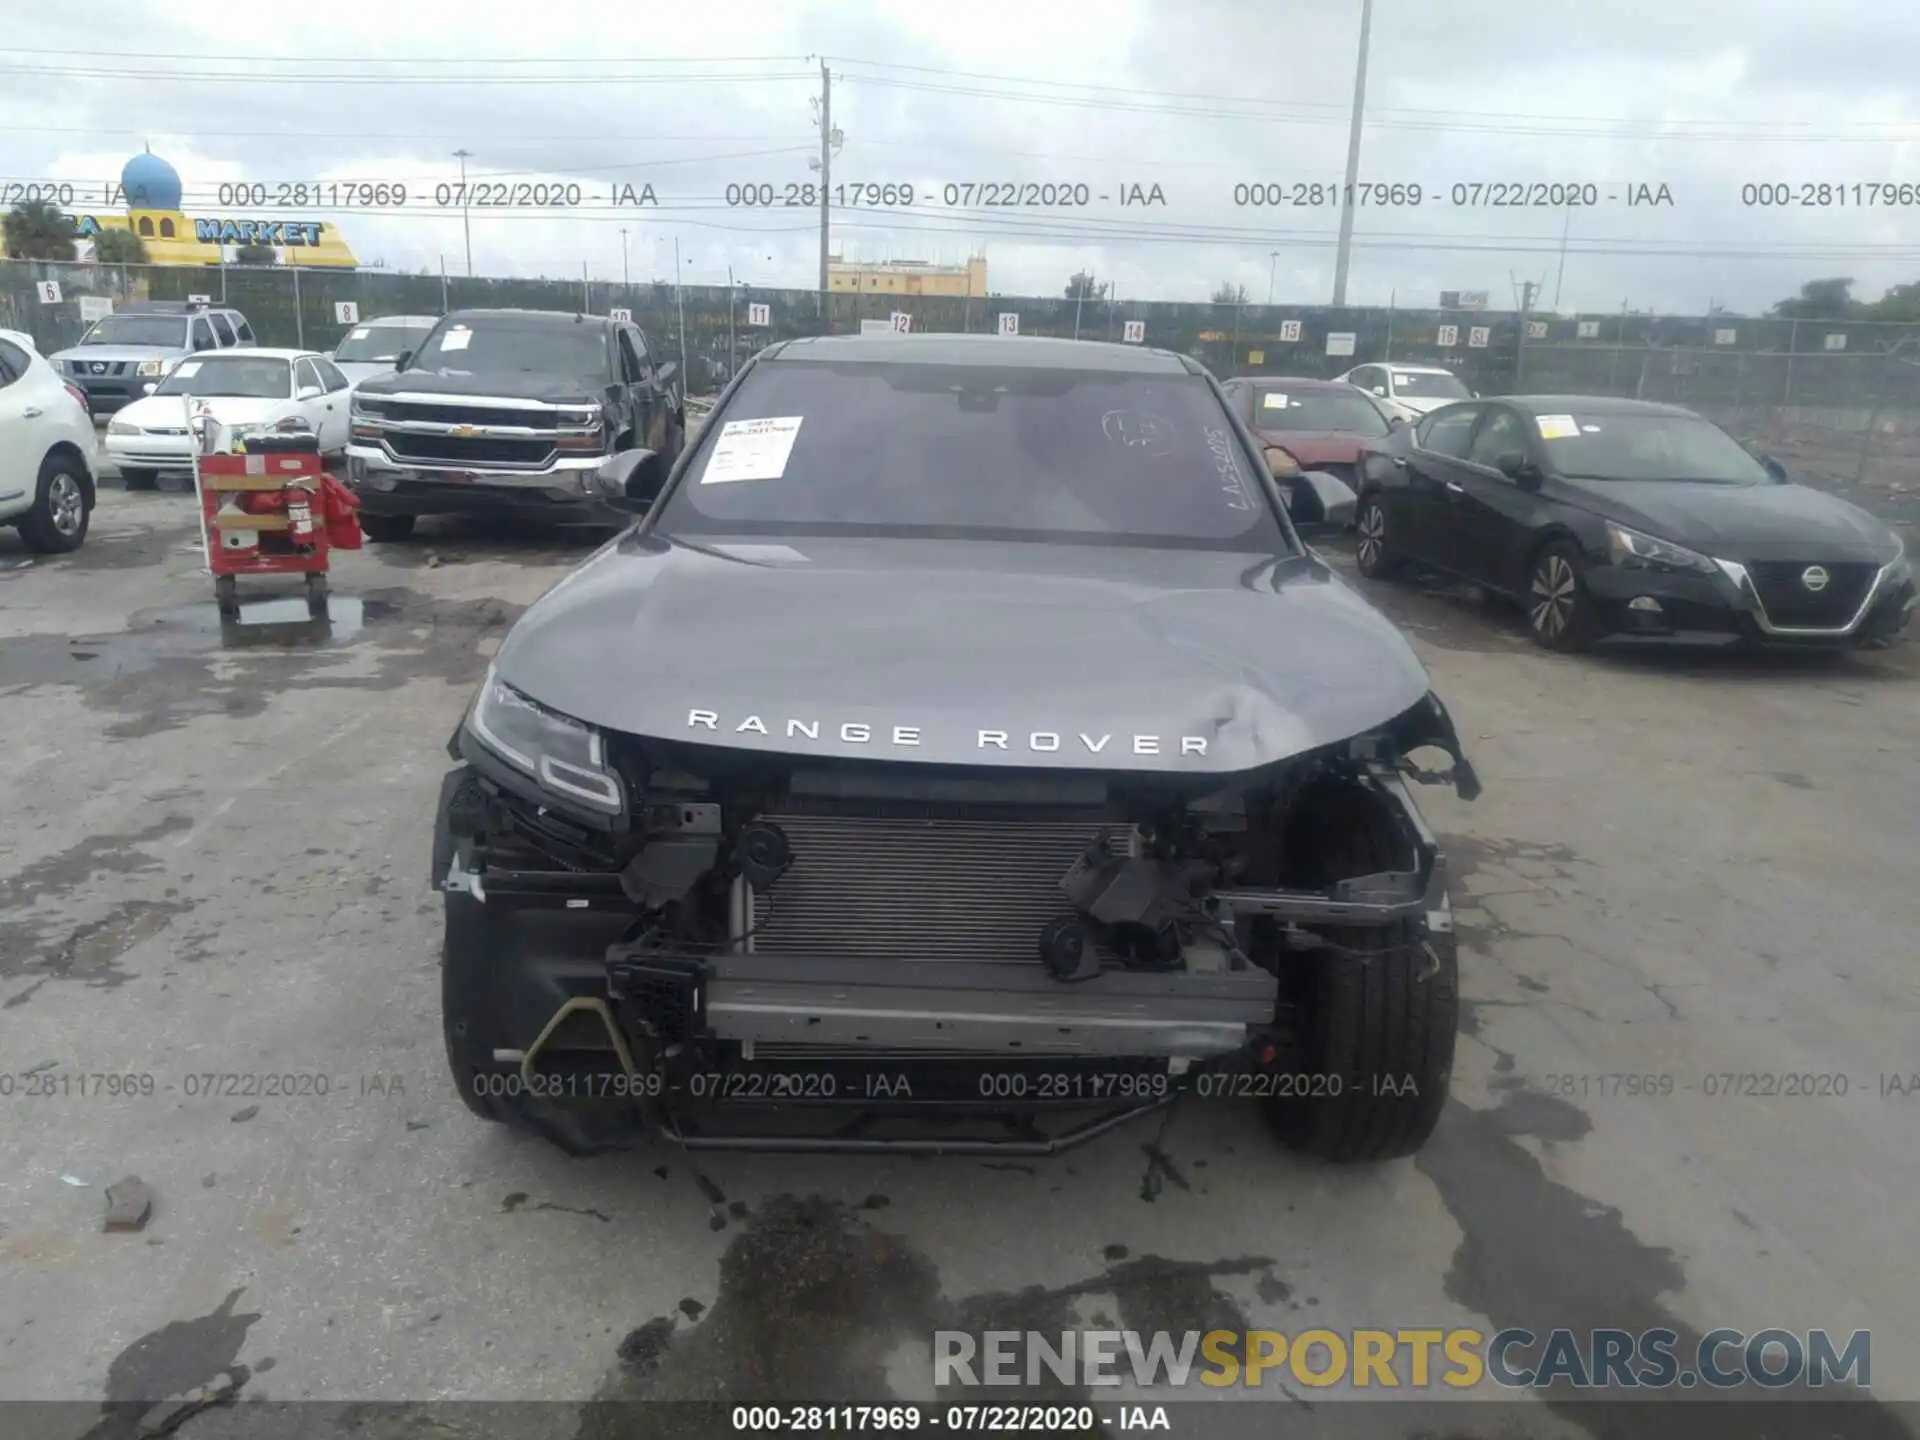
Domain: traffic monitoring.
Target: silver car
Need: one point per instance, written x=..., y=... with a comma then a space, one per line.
x=374, y=347
x=124, y=356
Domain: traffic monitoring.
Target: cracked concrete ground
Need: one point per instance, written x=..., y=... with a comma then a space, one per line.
x=212, y=866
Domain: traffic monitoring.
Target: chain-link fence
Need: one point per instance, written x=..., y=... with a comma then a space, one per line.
x=1839, y=398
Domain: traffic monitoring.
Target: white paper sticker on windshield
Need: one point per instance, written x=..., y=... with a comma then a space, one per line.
x=752, y=450
x=1273, y=400
x=359, y=334
x=1557, y=427
x=187, y=369
x=1406, y=379
x=456, y=339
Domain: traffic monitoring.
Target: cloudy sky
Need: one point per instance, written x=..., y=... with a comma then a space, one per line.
x=1193, y=96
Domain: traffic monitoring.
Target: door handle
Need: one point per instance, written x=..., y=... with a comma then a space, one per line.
x=1399, y=462
x=31, y=411
x=1455, y=488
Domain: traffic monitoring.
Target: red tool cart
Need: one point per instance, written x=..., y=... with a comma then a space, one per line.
x=273, y=510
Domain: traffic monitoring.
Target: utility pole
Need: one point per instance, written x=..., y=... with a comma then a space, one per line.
x=826, y=172
x=1273, y=258
x=1079, y=295
x=680, y=304
x=1565, y=226
x=1527, y=290
x=1344, y=253
x=732, y=350
x=466, y=219
x=625, y=280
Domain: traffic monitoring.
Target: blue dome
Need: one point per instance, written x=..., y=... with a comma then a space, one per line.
x=150, y=183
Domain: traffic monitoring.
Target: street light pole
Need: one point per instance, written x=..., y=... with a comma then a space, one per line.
x=1345, y=251
x=1273, y=258
x=625, y=279
x=732, y=350
x=681, y=305
x=466, y=219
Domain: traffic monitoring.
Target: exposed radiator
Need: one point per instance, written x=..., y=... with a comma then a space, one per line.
x=922, y=888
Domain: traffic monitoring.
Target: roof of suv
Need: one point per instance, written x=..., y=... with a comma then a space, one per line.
x=521, y=317
x=1030, y=352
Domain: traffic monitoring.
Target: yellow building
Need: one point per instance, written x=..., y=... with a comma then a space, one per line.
x=151, y=188
x=908, y=277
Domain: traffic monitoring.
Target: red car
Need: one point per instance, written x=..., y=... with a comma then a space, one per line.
x=1321, y=423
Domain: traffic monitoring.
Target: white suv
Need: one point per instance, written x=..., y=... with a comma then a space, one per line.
x=1408, y=391
x=47, y=450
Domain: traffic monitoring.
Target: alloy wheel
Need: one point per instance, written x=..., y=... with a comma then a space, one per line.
x=1373, y=538
x=1552, y=596
x=66, y=506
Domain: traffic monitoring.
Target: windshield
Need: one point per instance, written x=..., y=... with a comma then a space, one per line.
x=1020, y=454
x=1647, y=447
x=167, y=330
x=1424, y=386
x=249, y=377
x=1345, y=411
x=494, y=347
x=379, y=344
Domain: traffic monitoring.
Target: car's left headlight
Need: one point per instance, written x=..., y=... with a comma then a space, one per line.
x=1631, y=547
x=564, y=755
x=122, y=427
x=152, y=367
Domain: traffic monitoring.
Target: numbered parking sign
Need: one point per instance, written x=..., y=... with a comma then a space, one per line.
x=199, y=299
x=1009, y=323
x=1449, y=336
x=1836, y=342
x=1134, y=332
x=49, y=292
x=1589, y=329
x=1536, y=329
x=1478, y=336
x=1290, y=331
x=1725, y=337
x=759, y=315
x=1340, y=342
x=620, y=316
x=346, y=312
x=902, y=322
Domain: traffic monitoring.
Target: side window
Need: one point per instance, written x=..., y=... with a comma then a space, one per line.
x=1447, y=432
x=13, y=363
x=305, y=376
x=202, y=335
x=1366, y=377
x=222, y=331
x=631, y=365
x=1501, y=434
x=331, y=375
x=640, y=345
x=242, y=329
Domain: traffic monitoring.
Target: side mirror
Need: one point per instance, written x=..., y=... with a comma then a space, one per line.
x=1280, y=464
x=149, y=388
x=1774, y=468
x=400, y=360
x=630, y=479
x=1319, y=503
x=1517, y=468
x=308, y=392
x=1381, y=391
x=1396, y=422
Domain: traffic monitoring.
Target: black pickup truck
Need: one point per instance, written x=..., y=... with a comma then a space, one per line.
x=509, y=412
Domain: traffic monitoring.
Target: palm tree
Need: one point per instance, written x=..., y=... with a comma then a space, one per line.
x=119, y=247
x=36, y=230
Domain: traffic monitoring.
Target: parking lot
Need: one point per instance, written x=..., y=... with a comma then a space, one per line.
x=215, y=864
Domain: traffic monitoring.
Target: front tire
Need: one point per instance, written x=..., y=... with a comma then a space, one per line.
x=140, y=479
x=1372, y=550
x=1560, y=610
x=62, y=508
x=1377, y=1014
x=386, y=529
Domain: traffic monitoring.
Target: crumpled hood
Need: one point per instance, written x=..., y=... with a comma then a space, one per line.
x=1315, y=447
x=1740, y=522
x=1065, y=656
x=132, y=353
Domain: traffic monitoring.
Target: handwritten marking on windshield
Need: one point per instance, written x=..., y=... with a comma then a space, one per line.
x=1227, y=464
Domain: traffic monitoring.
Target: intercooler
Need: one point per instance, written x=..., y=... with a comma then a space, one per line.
x=932, y=886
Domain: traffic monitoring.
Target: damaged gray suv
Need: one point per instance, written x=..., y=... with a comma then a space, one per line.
x=963, y=753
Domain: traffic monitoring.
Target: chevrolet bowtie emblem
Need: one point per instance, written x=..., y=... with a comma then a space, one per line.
x=466, y=432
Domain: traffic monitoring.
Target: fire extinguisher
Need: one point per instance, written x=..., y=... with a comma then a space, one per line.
x=300, y=516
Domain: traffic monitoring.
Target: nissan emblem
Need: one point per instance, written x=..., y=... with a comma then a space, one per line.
x=1815, y=578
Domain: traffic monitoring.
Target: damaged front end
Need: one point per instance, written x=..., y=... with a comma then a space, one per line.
x=783, y=952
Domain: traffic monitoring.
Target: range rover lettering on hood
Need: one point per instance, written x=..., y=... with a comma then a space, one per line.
x=856, y=732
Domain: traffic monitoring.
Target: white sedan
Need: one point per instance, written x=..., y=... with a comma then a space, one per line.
x=242, y=388
x=1408, y=391
x=47, y=450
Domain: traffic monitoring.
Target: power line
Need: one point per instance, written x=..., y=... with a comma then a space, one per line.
x=336, y=79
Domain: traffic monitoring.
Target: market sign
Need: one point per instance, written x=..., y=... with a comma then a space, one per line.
x=258, y=232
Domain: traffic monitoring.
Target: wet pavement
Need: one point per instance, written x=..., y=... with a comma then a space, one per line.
x=213, y=888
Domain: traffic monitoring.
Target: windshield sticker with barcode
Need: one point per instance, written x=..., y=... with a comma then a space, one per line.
x=1227, y=465
x=1557, y=427
x=456, y=340
x=752, y=450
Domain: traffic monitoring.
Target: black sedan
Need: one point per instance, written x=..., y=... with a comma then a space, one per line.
x=1606, y=517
